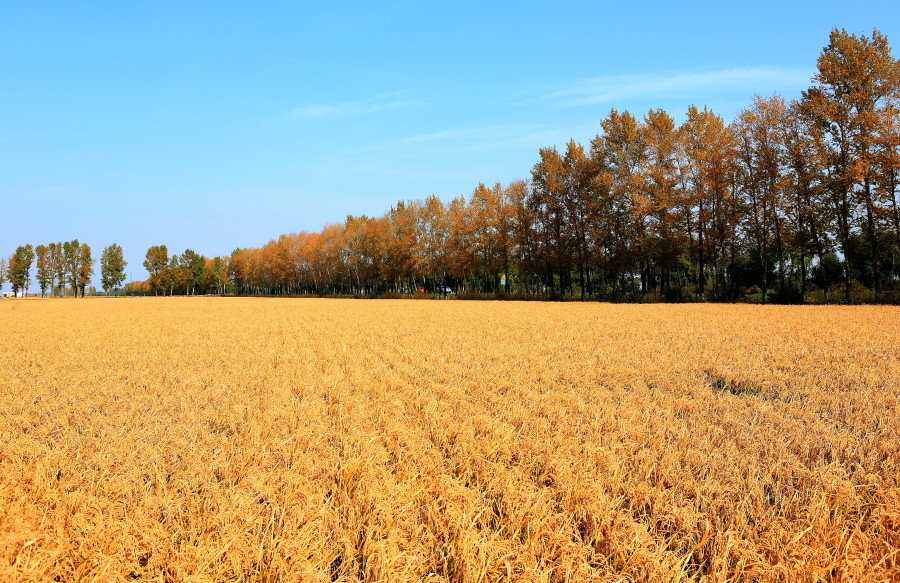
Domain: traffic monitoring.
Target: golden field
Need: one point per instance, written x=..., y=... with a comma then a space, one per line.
x=230, y=439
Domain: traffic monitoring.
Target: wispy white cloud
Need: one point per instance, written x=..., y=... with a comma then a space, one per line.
x=619, y=88
x=488, y=138
x=383, y=102
x=477, y=133
x=484, y=139
x=456, y=154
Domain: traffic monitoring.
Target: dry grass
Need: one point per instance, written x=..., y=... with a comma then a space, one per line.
x=206, y=439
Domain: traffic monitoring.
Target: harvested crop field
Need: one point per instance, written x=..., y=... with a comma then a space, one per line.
x=231, y=439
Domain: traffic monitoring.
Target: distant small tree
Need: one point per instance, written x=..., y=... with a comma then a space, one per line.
x=137, y=288
x=215, y=274
x=175, y=274
x=156, y=263
x=192, y=265
x=4, y=264
x=19, y=269
x=85, y=267
x=72, y=255
x=59, y=267
x=828, y=272
x=44, y=268
x=112, y=268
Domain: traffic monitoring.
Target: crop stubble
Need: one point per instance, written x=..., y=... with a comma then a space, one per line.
x=224, y=439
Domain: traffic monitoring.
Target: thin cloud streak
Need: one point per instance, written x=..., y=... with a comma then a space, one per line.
x=617, y=88
x=383, y=102
x=488, y=138
x=468, y=134
x=413, y=156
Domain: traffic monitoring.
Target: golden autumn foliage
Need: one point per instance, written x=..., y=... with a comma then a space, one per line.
x=225, y=439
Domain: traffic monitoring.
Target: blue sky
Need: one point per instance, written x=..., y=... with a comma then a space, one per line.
x=215, y=125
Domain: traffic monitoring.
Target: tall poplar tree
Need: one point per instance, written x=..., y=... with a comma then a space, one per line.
x=761, y=177
x=855, y=84
x=662, y=195
x=710, y=156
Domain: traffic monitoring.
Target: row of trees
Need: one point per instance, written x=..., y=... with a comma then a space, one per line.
x=189, y=273
x=59, y=264
x=789, y=197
